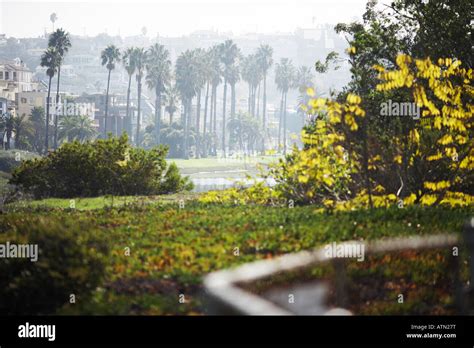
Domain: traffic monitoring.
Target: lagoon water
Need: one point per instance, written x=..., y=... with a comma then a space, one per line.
x=220, y=183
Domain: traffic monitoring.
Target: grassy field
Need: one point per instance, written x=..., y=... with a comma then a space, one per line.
x=172, y=248
x=192, y=166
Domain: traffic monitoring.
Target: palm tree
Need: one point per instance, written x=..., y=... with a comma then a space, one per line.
x=215, y=72
x=61, y=42
x=76, y=128
x=171, y=100
x=23, y=129
x=110, y=55
x=140, y=63
x=128, y=61
x=251, y=73
x=187, y=83
x=159, y=75
x=37, y=118
x=265, y=61
x=201, y=78
x=303, y=80
x=229, y=53
x=53, y=18
x=284, y=79
x=49, y=60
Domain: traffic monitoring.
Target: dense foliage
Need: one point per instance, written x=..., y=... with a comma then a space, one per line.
x=106, y=166
x=172, y=248
x=70, y=261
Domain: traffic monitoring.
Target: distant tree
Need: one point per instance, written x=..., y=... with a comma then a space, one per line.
x=110, y=56
x=61, y=42
x=129, y=62
x=171, y=99
x=140, y=64
x=23, y=128
x=37, y=118
x=187, y=82
x=215, y=71
x=229, y=53
x=53, y=18
x=158, y=76
x=284, y=79
x=49, y=60
x=202, y=70
x=76, y=127
x=265, y=61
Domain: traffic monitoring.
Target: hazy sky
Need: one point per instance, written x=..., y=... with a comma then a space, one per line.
x=172, y=17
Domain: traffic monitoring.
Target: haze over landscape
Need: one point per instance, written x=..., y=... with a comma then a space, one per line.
x=174, y=17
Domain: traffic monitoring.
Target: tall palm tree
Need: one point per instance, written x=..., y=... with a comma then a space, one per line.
x=251, y=73
x=187, y=81
x=233, y=78
x=110, y=55
x=229, y=53
x=215, y=71
x=201, y=78
x=61, y=42
x=171, y=100
x=284, y=79
x=265, y=61
x=208, y=80
x=140, y=64
x=128, y=61
x=49, y=60
x=158, y=76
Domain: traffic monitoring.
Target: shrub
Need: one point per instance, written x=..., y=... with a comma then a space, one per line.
x=107, y=166
x=173, y=181
x=70, y=261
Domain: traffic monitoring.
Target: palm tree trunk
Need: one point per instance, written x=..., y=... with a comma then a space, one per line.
x=137, y=141
x=48, y=100
x=232, y=101
x=223, y=117
x=250, y=97
x=264, y=110
x=205, y=120
x=258, y=102
x=214, y=120
x=284, y=126
x=241, y=146
x=264, y=106
x=106, y=105
x=187, y=113
x=128, y=117
x=198, y=124
x=280, y=123
x=55, y=141
x=157, y=116
x=171, y=117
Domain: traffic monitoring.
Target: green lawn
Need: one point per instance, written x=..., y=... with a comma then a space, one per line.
x=91, y=203
x=173, y=248
x=192, y=166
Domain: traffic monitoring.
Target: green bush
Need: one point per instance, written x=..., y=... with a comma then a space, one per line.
x=173, y=181
x=106, y=166
x=70, y=260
